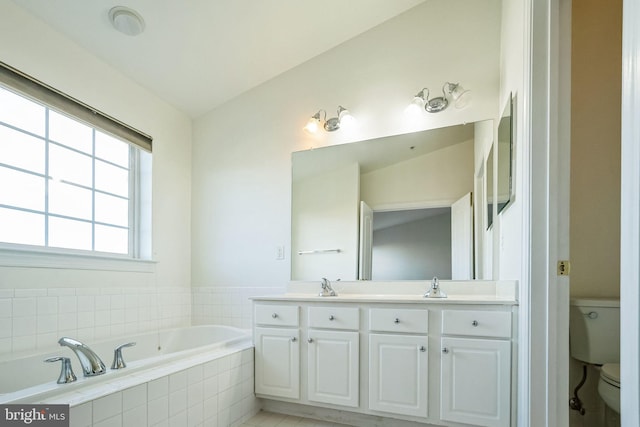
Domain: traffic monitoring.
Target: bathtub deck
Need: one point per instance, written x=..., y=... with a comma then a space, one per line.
x=269, y=419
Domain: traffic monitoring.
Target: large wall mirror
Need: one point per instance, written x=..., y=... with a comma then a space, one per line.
x=392, y=208
x=505, y=193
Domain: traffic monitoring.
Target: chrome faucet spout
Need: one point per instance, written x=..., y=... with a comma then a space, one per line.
x=327, y=290
x=90, y=362
x=435, y=291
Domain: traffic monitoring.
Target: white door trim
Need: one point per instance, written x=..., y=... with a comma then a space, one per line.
x=630, y=216
x=542, y=346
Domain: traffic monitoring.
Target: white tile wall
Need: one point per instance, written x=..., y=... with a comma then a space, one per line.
x=226, y=305
x=195, y=397
x=32, y=319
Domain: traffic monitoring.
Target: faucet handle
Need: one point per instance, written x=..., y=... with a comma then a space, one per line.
x=66, y=372
x=118, y=361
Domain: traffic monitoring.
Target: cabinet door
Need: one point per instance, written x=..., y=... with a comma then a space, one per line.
x=476, y=381
x=277, y=362
x=398, y=374
x=333, y=367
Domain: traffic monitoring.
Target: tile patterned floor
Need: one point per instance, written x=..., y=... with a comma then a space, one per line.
x=269, y=419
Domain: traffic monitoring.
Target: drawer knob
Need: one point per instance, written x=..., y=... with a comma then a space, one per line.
x=396, y=320
x=274, y=315
x=445, y=350
x=331, y=317
x=422, y=348
x=474, y=323
x=310, y=340
x=294, y=339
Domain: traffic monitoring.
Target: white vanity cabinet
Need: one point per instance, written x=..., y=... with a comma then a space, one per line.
x=333, y=355
x=438, y=362
x=398, y=361
x=475, y=360
x=277, y=350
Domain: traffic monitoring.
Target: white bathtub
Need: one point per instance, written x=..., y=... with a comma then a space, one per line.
x=156, y=354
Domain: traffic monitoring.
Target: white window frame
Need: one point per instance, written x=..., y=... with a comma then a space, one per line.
x=138, y=258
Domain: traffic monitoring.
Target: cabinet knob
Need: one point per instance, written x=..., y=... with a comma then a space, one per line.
x=331, y=317
x=294, y=339
x=310, y=340
x=422, y=348
x=445, y=350
x=474, y=323
x=396, y=320
x=274, y=315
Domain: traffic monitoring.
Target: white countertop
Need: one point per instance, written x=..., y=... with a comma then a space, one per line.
x=458, y=292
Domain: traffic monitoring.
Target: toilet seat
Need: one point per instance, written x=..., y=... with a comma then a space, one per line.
x=609, y=385
x=611, y=374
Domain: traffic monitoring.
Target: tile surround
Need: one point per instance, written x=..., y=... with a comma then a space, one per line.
x=34, y=319
x=192, y=397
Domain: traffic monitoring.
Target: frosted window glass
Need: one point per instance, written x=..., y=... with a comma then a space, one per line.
x=112, y=179
x=24, y=228
x=112, y=210
x=70, y=132
x=112, y=149
x=67, y=165
x=69, y=200
x=70, y=234
x=21, y=150
x=21, y=112
x=21, y=189
x=111, y=239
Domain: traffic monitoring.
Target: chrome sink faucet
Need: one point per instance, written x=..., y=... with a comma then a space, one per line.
x=327, y=290
x=91, y=363
x=435, y=291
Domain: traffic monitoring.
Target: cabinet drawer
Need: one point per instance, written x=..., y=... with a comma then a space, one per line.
x=477, y=323
x=334, y=317
x=276, y=315
x=399, y=320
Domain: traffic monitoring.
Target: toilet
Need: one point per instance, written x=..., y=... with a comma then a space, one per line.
x=594, y=334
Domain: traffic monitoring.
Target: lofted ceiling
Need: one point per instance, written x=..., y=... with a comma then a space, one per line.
x=198, y=54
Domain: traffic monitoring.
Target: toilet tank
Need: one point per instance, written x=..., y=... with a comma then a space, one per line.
x=594, y=330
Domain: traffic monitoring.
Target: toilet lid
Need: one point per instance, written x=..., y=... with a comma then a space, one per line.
x=611, y=373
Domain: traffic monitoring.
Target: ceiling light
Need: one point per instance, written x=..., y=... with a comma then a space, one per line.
x=342, y=119
x=459, y=95
x=126, y=20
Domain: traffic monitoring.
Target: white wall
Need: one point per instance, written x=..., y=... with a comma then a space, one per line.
x=444, y=175
x=39, y=304
x=324, y=217
x=241, y=152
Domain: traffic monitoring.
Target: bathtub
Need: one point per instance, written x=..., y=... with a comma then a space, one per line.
x=29, y=379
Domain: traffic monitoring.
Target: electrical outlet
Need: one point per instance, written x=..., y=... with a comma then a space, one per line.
x=280, y=253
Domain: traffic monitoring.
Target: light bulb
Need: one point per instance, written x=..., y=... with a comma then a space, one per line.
x=312, y=125
x=345, y=117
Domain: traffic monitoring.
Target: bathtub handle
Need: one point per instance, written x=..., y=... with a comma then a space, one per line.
x=66, y=372
x=118, y=361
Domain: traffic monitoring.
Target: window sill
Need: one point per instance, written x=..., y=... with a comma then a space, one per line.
x=45, y=259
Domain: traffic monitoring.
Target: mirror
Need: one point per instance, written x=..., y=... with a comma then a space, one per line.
x=505, y=194
x=409, y=182
x=489, y=188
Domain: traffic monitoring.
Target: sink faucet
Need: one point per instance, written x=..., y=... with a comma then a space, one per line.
x=327, y=290
x=435, y=291
x=91, y=363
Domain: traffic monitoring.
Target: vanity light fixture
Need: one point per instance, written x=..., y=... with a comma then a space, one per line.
x=126, y=20
x=343, y=118
x=458, y=95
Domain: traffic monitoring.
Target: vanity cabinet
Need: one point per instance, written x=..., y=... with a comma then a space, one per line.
x=398, y=361
x=476, y=367
x=277, y=350
x=436, y=362
x=333, y=355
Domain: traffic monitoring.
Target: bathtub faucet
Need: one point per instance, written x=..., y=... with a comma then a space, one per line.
x=91, y=363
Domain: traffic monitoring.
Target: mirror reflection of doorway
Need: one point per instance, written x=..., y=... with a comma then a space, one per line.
x=417, y=244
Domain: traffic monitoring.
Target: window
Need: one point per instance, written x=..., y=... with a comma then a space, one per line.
x=66, y=186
